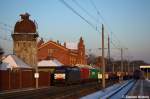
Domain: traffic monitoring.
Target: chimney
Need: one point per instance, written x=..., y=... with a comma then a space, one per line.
x=64, y=44
x=57, y=41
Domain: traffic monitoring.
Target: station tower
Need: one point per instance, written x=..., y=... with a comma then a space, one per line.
x=81, y=52
x=25, y=40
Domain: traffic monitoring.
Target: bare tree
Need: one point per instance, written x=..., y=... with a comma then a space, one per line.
x=1, y=54
x=91, y=59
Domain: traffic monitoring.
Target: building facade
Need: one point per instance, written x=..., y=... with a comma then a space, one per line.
x=25, y=40
x=67, y=53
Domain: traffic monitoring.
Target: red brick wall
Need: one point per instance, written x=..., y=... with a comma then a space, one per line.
x=27, y=78
x=61, y=53
x=15, y=79
x=4, y=80
x=44, y=78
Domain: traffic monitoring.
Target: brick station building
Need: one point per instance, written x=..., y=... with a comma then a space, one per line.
x=26, y=47
x=67, y=53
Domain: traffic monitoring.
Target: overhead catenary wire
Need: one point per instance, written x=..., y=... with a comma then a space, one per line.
x=85, y=19
x=90, y=15
x=74, y=11
x=116, y=46
x=106, y=24
x=6, y=25
x=5, y=30
x=5, y=37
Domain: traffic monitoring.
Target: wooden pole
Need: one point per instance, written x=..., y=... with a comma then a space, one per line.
x=103, y=59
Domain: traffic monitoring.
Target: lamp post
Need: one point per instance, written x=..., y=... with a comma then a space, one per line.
x=36, y=74
x=103, y=59
x=113, y=68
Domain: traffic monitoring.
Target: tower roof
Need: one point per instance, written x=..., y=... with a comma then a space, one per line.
x=25, y=25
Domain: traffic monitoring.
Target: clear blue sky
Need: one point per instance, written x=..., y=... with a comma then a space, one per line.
x=129, y=20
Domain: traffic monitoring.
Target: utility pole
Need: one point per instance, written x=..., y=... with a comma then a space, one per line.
x=122, y=68
x=121, y=64
x=108, y=49
x=113, y=67
x=103, y=59
x=108, y=56
x=121, y=60
x=128, y=66
x=133, y=67
x=36, y=74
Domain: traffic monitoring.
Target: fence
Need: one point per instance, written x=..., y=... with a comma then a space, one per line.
x=22, y=78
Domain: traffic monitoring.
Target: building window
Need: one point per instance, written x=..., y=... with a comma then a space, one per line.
x=17, y=44
x=24, y=44
x=29, y=44
x=81, y=54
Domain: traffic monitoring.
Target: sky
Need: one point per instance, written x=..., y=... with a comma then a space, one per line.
x=127, y=22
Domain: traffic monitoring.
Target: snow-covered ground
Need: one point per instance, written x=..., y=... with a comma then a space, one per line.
x=148, y=80
x=104, y=92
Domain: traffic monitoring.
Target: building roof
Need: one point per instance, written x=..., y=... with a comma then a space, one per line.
x=25, y=25
x=4, y=66
x=52, y=42
x=72, y=45
x=84, y=66
x=68, y=45
x=15, y=62
x=49, y=63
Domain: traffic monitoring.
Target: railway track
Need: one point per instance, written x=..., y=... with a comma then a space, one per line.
x=121, y=91
x=79, y=91
x=45, y=93
x=63, y=92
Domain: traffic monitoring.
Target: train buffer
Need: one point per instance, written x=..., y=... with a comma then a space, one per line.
x=116, y=91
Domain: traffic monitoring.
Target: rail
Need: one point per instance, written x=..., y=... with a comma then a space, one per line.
x=121, y=91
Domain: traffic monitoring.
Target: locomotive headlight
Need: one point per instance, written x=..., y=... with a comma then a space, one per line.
x=59, y=76
x=99, y=76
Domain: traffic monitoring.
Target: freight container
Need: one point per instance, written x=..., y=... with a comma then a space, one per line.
x=94, y=74
x=73, y=75
x=84, y=74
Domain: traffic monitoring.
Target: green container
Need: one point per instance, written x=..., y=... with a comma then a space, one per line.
x=94, y=73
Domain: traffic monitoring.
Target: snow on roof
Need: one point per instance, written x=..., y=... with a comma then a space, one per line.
x=72, y=45
x=15, y=62
x=49, y=63
x=4, y=66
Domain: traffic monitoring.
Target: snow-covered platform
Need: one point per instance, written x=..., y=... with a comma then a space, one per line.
x=105, y=92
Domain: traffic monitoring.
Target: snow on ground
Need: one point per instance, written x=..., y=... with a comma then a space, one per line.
x=148, y=80
x=103, y=92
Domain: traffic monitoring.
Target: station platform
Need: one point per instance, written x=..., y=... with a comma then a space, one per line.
x=140, y=90
x=134, y=89
x=103, y=92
